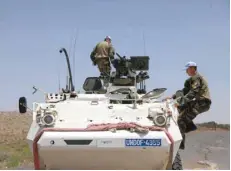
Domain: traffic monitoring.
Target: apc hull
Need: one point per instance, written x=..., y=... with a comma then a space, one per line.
x=100, y=150
x=109, y=126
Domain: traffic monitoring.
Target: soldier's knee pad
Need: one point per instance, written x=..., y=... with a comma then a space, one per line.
x=203, y=108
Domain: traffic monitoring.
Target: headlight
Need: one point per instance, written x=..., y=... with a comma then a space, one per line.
x=48, y=119
x=158, y=116
x=160, y=120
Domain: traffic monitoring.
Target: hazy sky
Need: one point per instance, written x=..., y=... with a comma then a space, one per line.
x=176, y=31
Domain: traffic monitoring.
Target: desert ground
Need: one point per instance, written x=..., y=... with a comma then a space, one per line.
x=205, y=149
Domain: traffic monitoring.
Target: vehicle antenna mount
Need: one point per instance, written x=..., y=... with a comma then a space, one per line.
x=71, y=86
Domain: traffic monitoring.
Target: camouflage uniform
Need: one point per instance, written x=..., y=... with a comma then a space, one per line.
x=100, y=56
x=193, y=99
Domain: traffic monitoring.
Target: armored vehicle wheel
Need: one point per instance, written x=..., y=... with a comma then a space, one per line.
x=177, y=164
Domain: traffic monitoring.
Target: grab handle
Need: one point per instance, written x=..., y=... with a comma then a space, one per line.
x=94, y=102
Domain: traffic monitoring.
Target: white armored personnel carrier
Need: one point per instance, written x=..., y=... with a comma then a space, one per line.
x=115, y=124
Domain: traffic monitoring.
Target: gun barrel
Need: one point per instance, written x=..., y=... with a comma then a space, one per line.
x=119, y=56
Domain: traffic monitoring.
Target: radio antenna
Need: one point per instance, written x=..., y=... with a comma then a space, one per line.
x=76, y=36
x=144, y=45
x=143, y=85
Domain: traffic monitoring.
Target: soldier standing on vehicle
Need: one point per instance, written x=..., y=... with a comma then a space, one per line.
x=192, y=100
x=102, y=54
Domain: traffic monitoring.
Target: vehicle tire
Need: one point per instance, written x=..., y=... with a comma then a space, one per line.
x=177, y=164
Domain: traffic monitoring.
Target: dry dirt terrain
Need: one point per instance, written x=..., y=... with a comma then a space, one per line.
x=14, y=150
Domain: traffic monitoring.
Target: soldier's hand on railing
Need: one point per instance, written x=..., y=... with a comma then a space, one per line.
x=176, y=105
x=167, y=98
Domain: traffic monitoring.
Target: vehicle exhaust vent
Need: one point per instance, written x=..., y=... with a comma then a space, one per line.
x=78, y=142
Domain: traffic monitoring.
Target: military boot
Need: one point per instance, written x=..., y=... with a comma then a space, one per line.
x=182, y=144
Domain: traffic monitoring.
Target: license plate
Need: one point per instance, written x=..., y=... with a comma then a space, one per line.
x=143, y=142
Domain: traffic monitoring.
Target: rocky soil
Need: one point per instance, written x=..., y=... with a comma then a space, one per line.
x=14, y=150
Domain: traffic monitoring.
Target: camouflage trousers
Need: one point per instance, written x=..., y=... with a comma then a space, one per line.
x=187, y=114
x=104, y=66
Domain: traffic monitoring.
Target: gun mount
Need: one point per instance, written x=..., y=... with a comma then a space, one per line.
x=125, y=74
x=127, y=67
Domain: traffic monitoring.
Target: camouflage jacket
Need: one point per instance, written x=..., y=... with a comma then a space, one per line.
x=195, y=87
x=102, y=50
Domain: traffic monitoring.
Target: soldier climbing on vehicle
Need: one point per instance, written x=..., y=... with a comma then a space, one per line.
x=102, y=54
x=192, y=100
